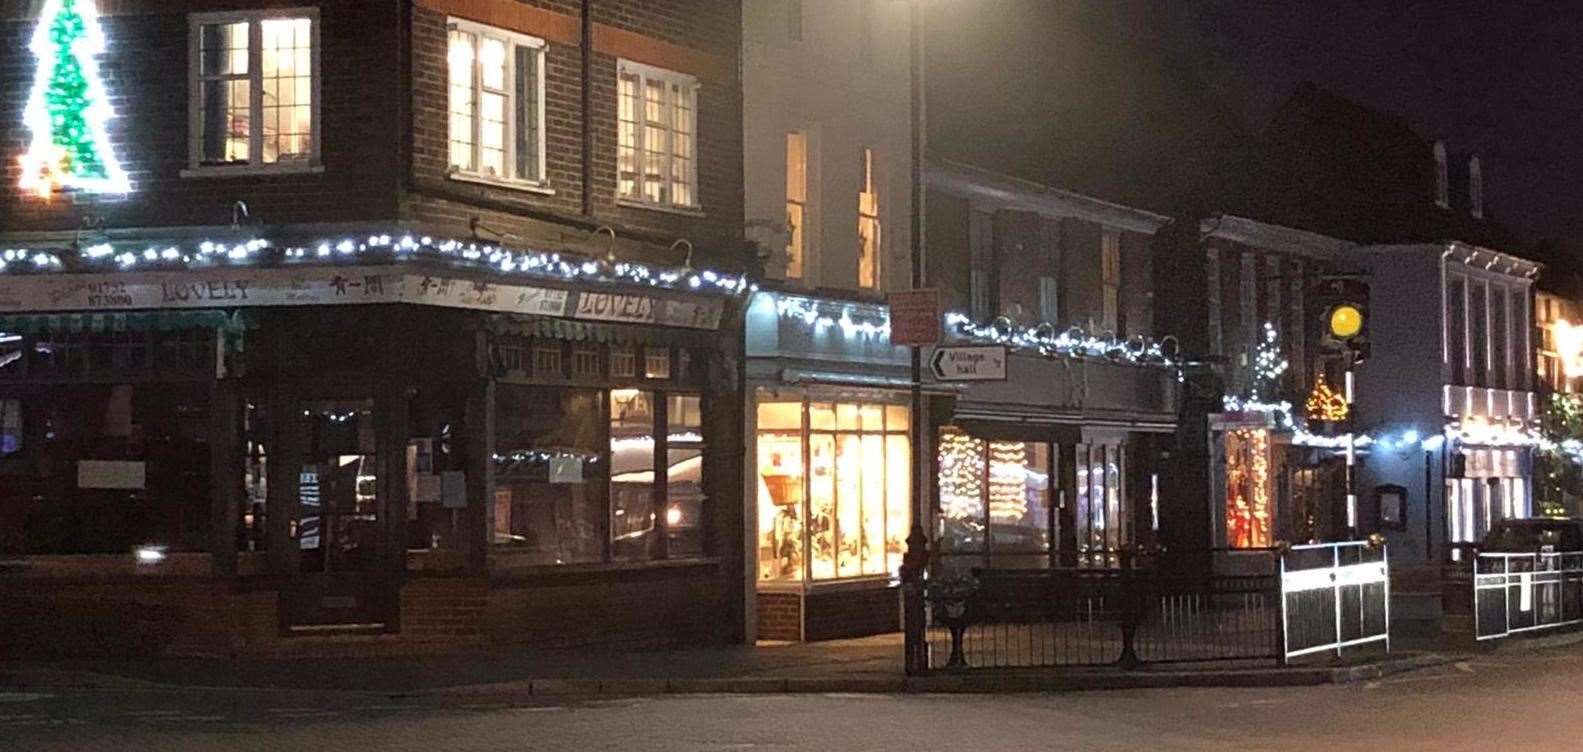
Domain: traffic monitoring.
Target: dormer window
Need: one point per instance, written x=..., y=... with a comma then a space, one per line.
x=1442, y=181
x=1475, y=188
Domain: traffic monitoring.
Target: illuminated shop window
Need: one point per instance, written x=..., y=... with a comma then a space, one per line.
x=834, y=489
x=994, y=501
x=1248, y=508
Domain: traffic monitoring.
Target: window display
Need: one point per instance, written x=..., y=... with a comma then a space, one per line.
x=834, y=489
x=1248, y=511
x=634, y=523
x=995, y=501
x=1100, y=517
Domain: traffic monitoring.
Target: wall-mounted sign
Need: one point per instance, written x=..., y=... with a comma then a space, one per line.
x=914, y=317
x=969, y=363
x=338, y=285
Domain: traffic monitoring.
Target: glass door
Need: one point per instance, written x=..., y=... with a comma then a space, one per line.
x=337, y=524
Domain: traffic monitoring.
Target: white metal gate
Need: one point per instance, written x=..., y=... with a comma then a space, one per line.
x=1334, y=596
x=1514, y=593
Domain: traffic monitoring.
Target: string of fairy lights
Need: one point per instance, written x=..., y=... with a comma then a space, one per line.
x=1048, y=340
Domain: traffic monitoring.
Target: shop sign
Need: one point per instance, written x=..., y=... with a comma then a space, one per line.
x=969, y=363
x=642, y=309
x=341, y=285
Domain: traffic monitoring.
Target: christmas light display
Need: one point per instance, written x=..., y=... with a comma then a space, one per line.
x=1248, y=488
x=68, y=110
x=546, y=264
x=961, y=477
x=1045, y=340
x=808, y=312
x=1008, y=481
x=1325, y=403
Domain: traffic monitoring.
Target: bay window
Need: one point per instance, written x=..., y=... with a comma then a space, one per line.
x=254, y=99
x=496, y=104
x=657, y=136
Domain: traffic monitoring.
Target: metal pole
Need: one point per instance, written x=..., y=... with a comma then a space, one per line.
x=1429, y=512
x=1352, y=456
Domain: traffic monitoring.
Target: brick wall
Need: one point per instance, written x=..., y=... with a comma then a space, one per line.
x=780, y=616
x=145, y=72
x=697, y=37
x=834, y=614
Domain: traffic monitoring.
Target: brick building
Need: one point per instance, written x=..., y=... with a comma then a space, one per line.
x=405, y=328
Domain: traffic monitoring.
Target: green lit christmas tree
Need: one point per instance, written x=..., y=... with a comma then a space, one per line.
x=67, y=110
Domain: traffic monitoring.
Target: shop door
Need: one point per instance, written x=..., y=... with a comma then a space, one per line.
x=342, y=580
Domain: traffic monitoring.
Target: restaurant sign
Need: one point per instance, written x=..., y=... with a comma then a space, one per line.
x=232, y=288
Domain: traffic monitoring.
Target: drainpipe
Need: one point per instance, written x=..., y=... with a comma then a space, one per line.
x=588, y=115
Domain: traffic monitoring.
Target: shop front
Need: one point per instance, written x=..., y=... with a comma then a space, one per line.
x=428, y=454
x=1059, y=465
x=830, y=467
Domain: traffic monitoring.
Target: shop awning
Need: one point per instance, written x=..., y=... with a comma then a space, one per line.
x=131, y=321
x=610, y=334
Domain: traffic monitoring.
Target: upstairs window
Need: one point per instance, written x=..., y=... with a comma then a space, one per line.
x=656, y=136
x=496, y=108
x=254, y=90
x=1110, y=269
x=869, y=273
x=796, y=203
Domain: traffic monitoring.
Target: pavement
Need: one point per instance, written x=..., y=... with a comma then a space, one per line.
x=866, y=665
x=1512, y=699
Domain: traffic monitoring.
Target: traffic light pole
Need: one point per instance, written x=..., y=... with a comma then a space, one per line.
x=1352, y=453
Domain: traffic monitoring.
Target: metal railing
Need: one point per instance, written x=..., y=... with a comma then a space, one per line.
x=1124, y=616
x=1515, y=593
x=1334, y=596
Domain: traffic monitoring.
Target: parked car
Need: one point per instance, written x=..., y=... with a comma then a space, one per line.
x=1543, y=534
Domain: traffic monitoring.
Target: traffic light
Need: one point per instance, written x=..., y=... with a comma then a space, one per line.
x=1344, y=299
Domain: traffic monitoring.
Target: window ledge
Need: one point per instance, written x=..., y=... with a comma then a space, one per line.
x=226, y=171
x=686, y=211
x=525, y=186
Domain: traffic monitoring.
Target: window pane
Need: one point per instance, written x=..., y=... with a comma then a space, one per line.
x=780, y=495
x=224, y=117
x=222, y=49
x=286, y=61
x=684, y=414
x=527, y=114
x=821, y=416
x=780, y=415
x=634, y=513
x=872, y=417
x=492, y=63
x=961, y=482
x=1019, y=503
x=10, y=426
x=627, y=146
x=551, y=469
x=822, y=506
x=492, y=134
x=461, y=100
x=1478, y=312
x=872, y=470
x=684, y=502
x=898, y=499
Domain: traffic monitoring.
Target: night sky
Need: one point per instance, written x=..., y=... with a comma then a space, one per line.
x=1132, y=99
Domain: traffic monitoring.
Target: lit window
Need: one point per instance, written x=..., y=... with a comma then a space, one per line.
x=255, y=89
x=1110, y=260
x=868, y=228
x=1248, y=507
x=796, y=203
x=656, y=136
x=496, y=107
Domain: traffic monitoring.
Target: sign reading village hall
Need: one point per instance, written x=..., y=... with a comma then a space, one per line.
x=231, y=287
x=969, y=363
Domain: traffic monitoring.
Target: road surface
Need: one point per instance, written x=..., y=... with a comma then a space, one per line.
x=1525, y=701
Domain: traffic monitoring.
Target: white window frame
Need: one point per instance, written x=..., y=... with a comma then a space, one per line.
x=512, y=40
x=255, y=149
x=689, y=83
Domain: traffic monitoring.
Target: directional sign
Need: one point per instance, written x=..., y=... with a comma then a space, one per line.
x=969, y=363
